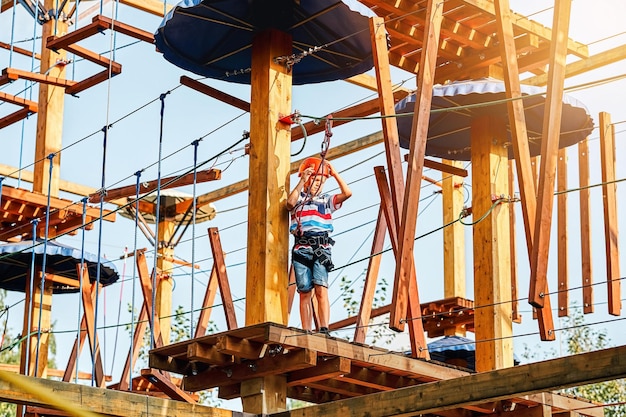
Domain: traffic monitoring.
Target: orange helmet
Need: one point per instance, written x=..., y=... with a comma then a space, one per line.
x=315, y=164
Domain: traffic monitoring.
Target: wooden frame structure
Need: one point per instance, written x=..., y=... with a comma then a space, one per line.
x=439, y=41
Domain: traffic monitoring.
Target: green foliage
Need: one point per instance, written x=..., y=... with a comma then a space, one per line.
x=580, y=338
x=180, y=330
x=351, y=303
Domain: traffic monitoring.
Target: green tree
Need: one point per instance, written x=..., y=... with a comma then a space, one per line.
x=578, y=337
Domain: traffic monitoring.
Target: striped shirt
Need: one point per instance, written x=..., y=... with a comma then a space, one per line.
x=313, y=214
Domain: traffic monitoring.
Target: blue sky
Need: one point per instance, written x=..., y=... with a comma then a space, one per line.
x=133, y=144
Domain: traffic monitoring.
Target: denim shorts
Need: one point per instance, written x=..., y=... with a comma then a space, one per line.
x=312, y=274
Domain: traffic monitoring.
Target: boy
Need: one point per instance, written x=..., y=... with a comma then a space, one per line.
x=311, y=222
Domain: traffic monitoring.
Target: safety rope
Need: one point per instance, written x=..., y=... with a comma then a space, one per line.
x=319, y=171
x=105, y=131
x=193, y=233
x=158, y=215
x=132, y=306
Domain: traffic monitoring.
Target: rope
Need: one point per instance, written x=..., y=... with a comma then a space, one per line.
x=158, y=215
x=193, y=234
x=132, y=308
x=105, y=131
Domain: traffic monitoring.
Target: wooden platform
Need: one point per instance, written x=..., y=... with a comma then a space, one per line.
x=318, y=368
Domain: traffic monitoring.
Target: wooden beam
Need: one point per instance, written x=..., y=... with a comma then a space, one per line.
x=562, y=236
x=414, y=312
x=585, y=226
x=222, y=278
x=215, y=93
x=364, y=316
x=453, y=235
x=609, y=198
x=539, y=292
x=584, y=65
x=242, y=348
x=331, y=368
x=517, y=118
x=269, y=365
x=526, y=25
x=154, y=7
x=569, y=371
x=419, y=134
x=151, y=186
x=515, y=314
x=163, y=382
x=20, y=389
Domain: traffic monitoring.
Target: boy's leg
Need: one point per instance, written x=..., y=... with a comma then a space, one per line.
x=323, y=305
x=306, y=309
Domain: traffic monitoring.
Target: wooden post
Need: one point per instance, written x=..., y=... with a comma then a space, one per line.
x=609, y=200
x=268, y=227
x=492, y=316
x=453, y=236
x=585, y=226
x=51, y=105
x=419, y=133
x=164, y=280
x=34, y=302
x=562, y=233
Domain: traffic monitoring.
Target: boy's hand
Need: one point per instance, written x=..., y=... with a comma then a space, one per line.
x=331, y=170
x=306, y=174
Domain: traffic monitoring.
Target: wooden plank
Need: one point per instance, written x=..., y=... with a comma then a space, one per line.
x=562, y=236
x=163, y=382
x=199, y=352
x=582, y=66
x=151, y=186
x=539, y=291
x=414, y=313
x=524, y=24
x=609, y=198
x=126, y=29
x=491, y=237
x=222, y=278
x=387, y=110
x=517, y=118
x=215, y=93
x=54, y=43
x=326, y=369
x=427, y=398
x=89, y=400
x=515, y=314
x=207, y=304
x=269, y=365
x=585, y=226
x=241, y=348
x=154, y=7
x=419, y=134
x=16, y=74
x=146, y=290
x=139, y=330
x=422, y=369
x=14, y=117
x=364, y=316
x=453, y=235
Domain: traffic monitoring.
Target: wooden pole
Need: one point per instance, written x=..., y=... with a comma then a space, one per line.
x=492, y=316
x=268, y=227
